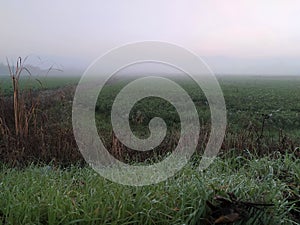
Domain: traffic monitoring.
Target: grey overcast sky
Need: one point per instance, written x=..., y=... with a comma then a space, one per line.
x=232, y=36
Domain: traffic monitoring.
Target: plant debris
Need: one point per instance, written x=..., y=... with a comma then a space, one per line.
x=230, y=210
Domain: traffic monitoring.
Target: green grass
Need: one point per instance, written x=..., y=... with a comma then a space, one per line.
x=37, y=195
x=36, y=83
x=249, y=97
x=246, y=98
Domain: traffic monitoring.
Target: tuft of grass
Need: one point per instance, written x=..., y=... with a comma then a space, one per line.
x=49, y=195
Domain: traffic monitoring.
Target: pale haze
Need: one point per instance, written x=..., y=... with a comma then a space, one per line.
x=233, y=36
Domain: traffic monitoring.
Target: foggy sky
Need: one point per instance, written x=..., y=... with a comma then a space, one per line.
x=232, y=36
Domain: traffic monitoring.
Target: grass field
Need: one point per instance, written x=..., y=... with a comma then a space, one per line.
x=45, y=195
x=36, y=83
x=249, y=99
x=41, y=181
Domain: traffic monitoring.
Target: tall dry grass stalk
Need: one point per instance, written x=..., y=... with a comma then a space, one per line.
x=32, y=128
x=22, y=114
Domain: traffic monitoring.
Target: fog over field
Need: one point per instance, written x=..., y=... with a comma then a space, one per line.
x=233, y=37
